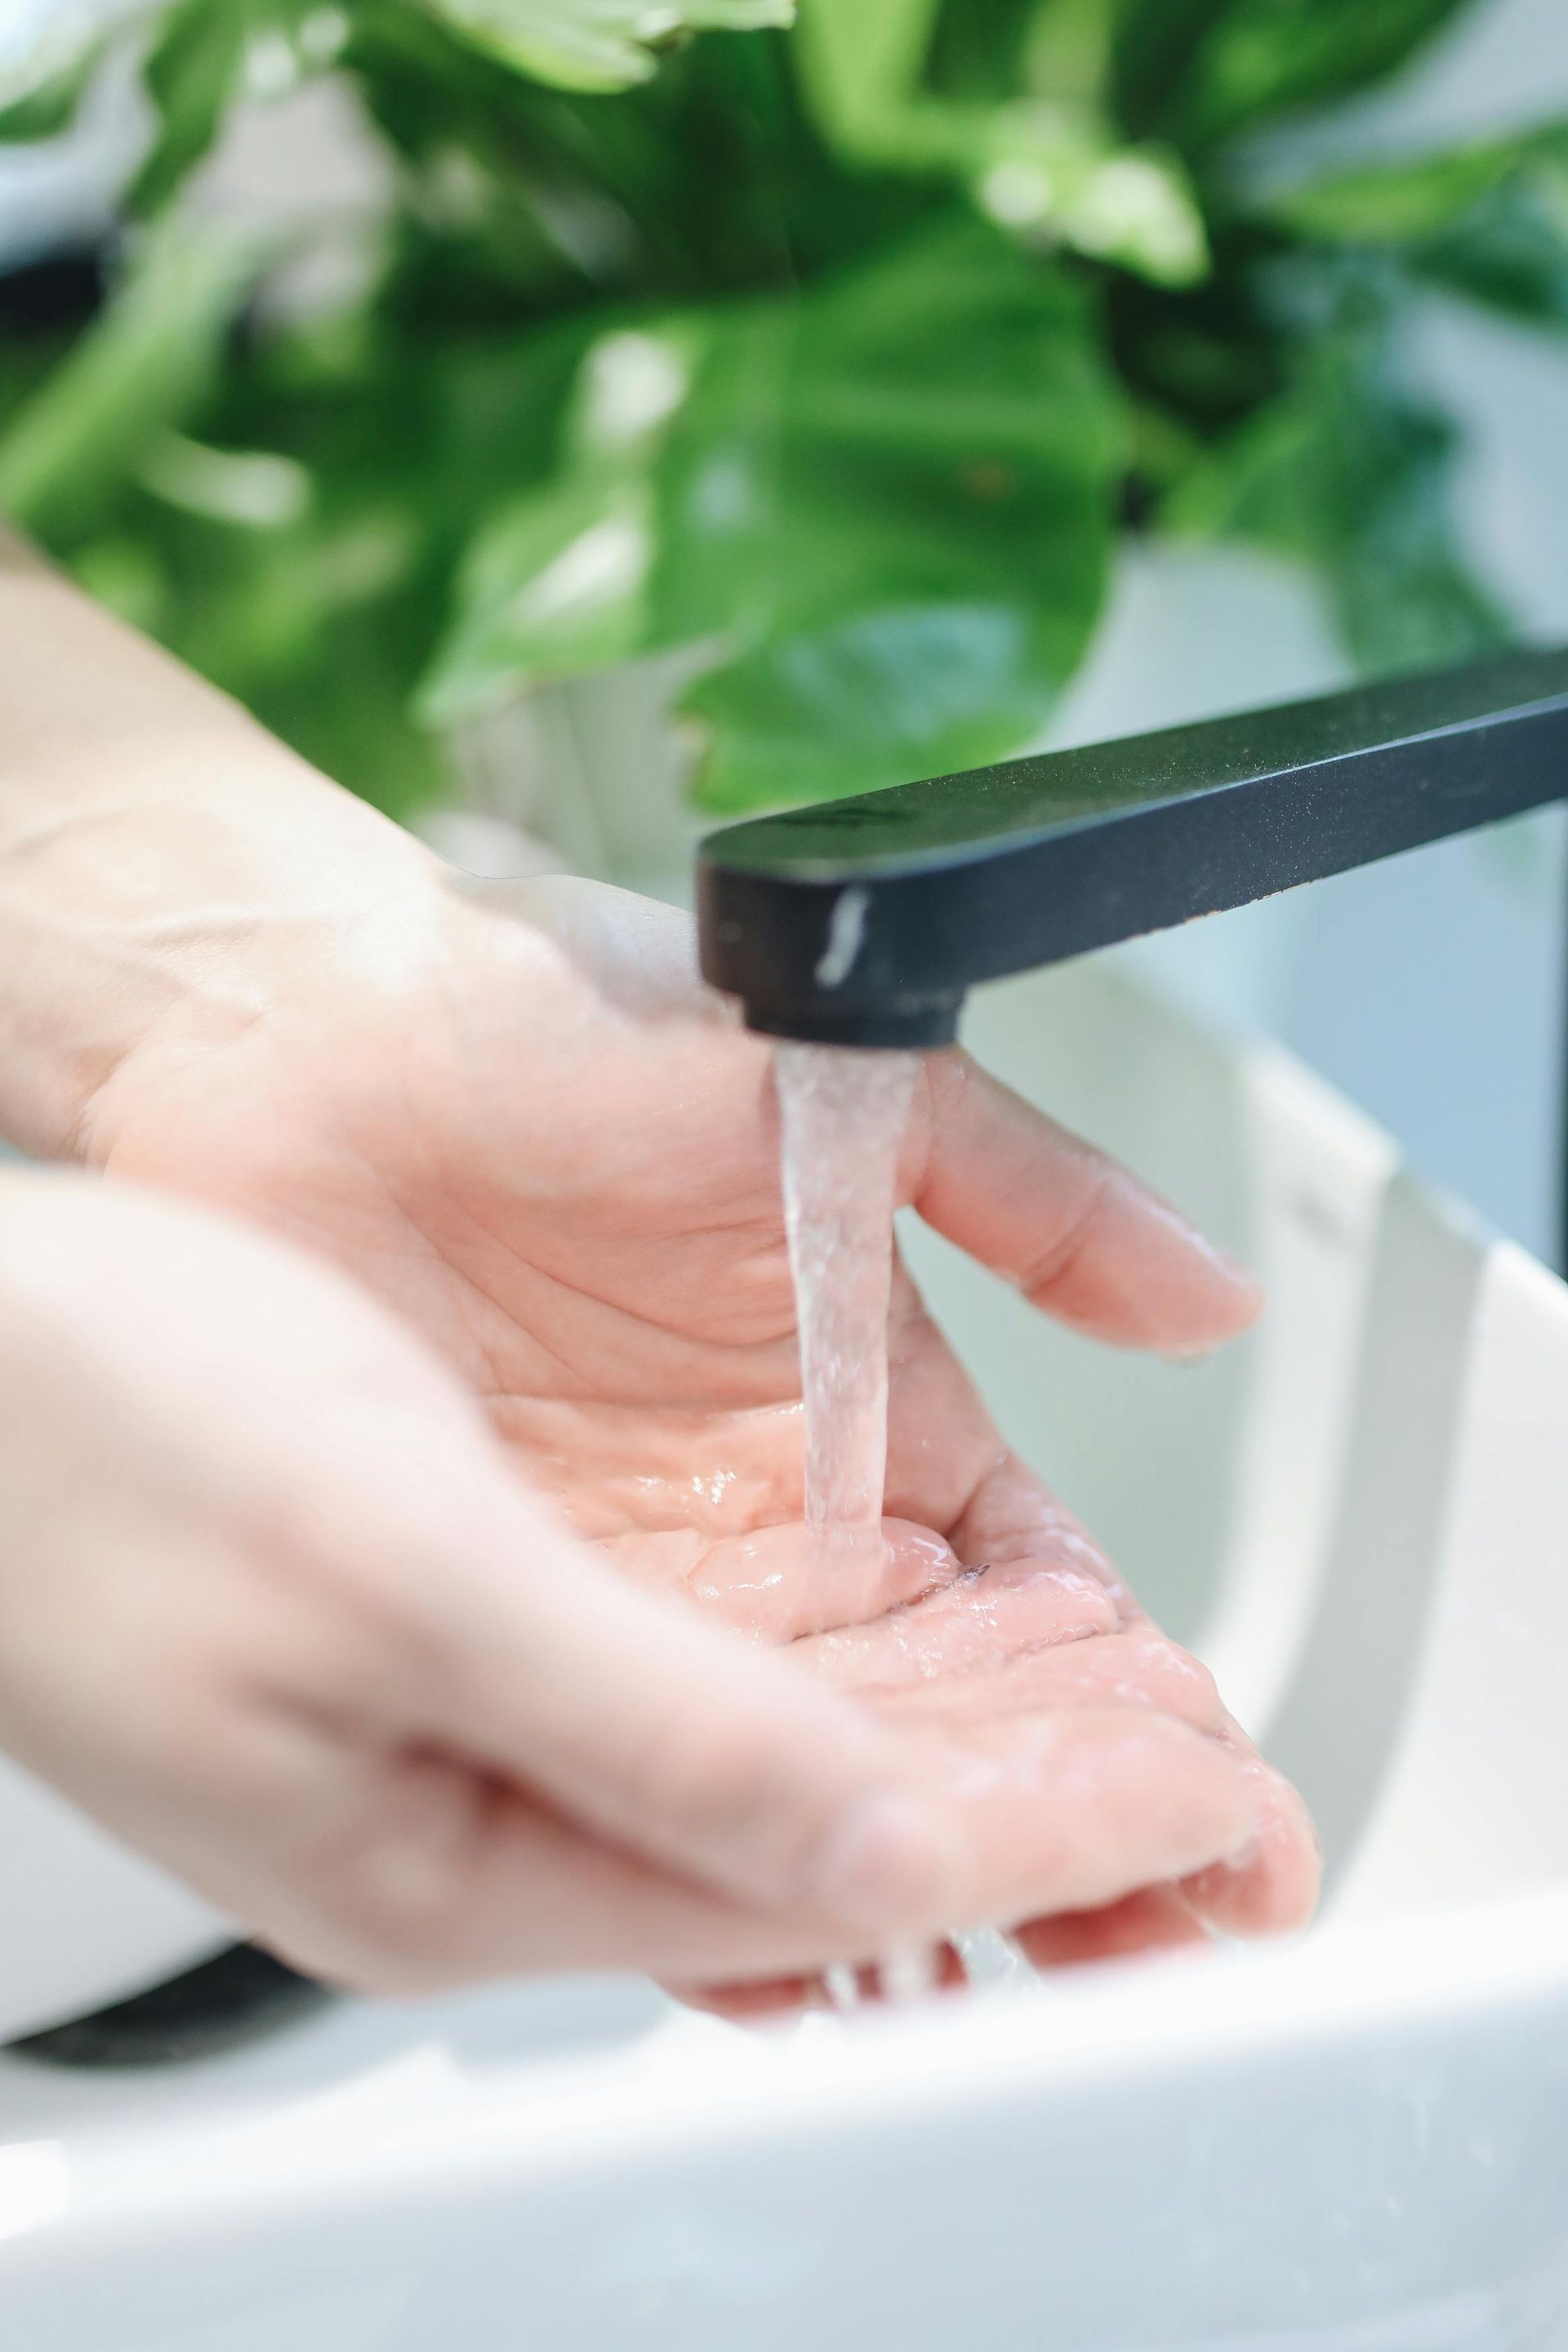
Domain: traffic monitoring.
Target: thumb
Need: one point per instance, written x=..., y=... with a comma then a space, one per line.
x=1082, y=1239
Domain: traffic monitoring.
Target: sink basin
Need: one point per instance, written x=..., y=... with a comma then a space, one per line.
x=1358, y=2142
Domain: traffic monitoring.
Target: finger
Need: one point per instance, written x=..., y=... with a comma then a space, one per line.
x=1075, y=1818
x=1154, y=1920
x=1010, y=1516
x=1134, y=1669
x=1082, y=1805
x=771, y=1998
x=1272, y=1889
x=546, y=1668
x=765, y=2002
x=1078, y=1236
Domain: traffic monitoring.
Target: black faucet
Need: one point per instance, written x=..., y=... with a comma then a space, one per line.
x=866, y=921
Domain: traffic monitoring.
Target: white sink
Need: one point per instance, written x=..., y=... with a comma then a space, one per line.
x=1360, y=2142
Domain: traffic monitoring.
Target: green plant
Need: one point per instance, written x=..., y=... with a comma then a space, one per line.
x=841, y=351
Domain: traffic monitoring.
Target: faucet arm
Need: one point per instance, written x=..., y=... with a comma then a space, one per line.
x=865, y=921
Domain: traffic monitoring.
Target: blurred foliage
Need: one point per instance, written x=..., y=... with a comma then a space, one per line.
x=840, y=351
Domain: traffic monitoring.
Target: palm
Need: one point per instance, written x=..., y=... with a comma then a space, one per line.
x=1017, y=1655
x=581, y=1209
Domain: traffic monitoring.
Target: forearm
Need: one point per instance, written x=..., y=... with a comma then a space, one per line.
x=161, y=855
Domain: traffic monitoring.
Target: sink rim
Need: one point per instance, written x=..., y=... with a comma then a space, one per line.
x=690, y=2085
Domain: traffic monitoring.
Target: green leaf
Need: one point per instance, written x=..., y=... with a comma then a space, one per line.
x=319, y=630
x=208, y=54
x=1348, y=474
x=594, y=44
x=1511, y=252
x=878, y=698
x=1490, y=220
x=1069, y=51
x=862, y=66
x=296, y=548
x=559, y=582
x=1235, y=66
x=124, y=572
x=141, y=366
x=892, y=495
x=193, y=71
x=1396, y=202
x=1051, y=172
x=558, y=585
x=1154, y=44
x=253, y=487
x=926, y=421
x=1047, y=178
x=40, y=95
x=901, y=497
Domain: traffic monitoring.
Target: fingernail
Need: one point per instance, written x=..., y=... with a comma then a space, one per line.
x=886, y=1861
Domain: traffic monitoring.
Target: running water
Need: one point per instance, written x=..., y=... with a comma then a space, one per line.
x=843, y=1113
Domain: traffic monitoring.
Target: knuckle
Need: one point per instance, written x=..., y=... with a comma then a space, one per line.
x=391, y=1904
x=1052, y=1267
x=376, y=1937
x=1173, y=1679
x=335, y=1951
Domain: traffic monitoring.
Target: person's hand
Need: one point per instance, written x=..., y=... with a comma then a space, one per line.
x=512, y=1111
x=218, y=974
x=275, y=1605
x=460, y=1094
x=1001, y=1646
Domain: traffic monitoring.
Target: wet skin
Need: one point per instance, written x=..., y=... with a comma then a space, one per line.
x=508, y=1111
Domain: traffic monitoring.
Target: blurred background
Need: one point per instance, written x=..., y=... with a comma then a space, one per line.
x=573, y=421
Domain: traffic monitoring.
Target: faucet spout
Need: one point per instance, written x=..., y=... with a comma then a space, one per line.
x=866, y=921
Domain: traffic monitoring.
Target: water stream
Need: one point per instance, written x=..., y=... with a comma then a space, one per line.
x=843, y=1113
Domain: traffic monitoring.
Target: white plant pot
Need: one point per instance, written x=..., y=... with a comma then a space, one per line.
x=593, y=771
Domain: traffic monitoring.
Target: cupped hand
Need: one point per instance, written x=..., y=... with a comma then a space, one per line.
x=511, y=1111
x=223, y=977
x=1019, y=1658
x=275, y=1606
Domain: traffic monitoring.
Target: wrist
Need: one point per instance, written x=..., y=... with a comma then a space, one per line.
x=293, y=899
x=169, y=914
x=163, y=860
